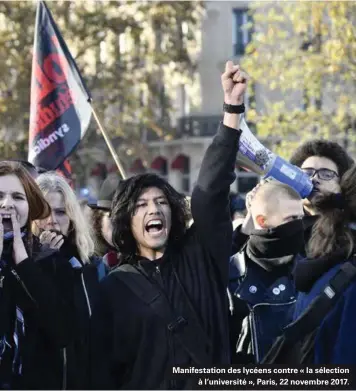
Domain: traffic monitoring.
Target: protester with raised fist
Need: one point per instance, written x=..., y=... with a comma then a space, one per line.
x=166, y=305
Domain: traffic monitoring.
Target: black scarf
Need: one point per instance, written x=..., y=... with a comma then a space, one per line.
x=69, y=248
x=276, y=246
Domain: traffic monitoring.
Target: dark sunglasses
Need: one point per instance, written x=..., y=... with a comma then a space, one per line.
x=323, y=173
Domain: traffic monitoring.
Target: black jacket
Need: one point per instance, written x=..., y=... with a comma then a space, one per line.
x=131, y=345
x=49, y=312
x=264, y=303
x=26, y=290
x=261, y=281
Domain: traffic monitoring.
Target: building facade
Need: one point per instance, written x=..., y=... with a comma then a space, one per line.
x=222, y=37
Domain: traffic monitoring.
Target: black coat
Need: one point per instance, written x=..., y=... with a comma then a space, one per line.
x=131, y=345
x=262, y=309
x=50, y=313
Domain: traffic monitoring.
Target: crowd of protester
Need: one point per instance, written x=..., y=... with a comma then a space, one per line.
x=112, y=295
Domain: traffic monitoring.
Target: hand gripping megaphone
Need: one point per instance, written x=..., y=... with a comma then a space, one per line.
x=255, y=157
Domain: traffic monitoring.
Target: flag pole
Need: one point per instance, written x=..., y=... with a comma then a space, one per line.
x=109, y=144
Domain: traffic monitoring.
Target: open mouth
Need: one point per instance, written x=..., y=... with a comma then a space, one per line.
x=6, y=219
x=154, y=227
x=6, y=222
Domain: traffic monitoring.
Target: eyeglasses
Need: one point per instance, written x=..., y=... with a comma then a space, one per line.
x=323, y=173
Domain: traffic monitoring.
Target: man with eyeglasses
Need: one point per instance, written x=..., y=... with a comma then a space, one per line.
x=325, y=162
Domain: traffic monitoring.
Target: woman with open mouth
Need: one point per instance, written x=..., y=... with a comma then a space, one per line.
x=31, y=311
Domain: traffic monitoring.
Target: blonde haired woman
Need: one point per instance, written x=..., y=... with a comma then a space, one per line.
x=66, y=223
x=75, y=272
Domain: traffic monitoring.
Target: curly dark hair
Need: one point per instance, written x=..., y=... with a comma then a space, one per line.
x=323, y=148
x=102, y=247
x=332, y=233
x=124, y=204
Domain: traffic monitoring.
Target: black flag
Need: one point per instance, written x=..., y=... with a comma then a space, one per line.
x=60, y=109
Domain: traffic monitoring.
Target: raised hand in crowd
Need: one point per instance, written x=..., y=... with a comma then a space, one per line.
x=186, y=265
x=234, y=83
x=20, y=252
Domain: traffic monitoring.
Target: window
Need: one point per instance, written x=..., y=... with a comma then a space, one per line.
x=241, y=32
x=160, y=166
x=137, y=167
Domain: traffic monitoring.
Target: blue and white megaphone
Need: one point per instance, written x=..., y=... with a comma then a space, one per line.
x=255, y=157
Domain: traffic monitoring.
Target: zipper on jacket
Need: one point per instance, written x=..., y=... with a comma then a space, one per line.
x=253, y=325
x=86, y=294
x=273, y=304
x=64, y=383
x=13, y=272
x=254, y=336
x=159, y=275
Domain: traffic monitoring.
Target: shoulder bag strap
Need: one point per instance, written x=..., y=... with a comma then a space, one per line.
x=183, y=327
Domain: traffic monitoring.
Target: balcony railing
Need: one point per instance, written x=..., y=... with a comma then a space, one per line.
x=198, y=126
x=192, y=126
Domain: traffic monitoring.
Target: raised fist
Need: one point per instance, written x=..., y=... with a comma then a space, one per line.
x=234, y=84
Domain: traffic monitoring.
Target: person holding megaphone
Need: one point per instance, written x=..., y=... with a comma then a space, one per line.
x=324, y=162
x=315, y=168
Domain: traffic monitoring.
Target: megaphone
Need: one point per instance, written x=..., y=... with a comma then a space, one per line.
x=257, y=158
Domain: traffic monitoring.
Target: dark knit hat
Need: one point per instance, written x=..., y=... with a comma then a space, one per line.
x=323, y=148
